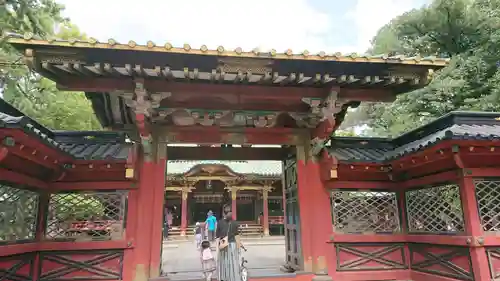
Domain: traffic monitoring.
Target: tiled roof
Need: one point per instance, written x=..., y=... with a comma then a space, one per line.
x=94, y=145
x=263, y=168
x=351, y=149
x=150, y=46
x=80, y=145
x=455, y=125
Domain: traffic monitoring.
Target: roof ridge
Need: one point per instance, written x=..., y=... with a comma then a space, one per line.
x=29, y=38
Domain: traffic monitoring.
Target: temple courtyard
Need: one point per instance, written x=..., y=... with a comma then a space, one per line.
x=180, y=259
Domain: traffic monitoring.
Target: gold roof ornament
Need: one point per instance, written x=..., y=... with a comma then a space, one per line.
x=111, y=42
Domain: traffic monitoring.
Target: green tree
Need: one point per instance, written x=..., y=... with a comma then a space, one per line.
x=466, y=31
x=36, y=96
x=78, y=207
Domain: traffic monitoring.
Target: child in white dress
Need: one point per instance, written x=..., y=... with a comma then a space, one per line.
x=207, y=260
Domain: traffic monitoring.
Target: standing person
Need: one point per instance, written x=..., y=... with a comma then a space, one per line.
x=166, y=224
x=211, y=224
x=170, y=217
x=228, y=245
x=207, y=260
x=198, y=236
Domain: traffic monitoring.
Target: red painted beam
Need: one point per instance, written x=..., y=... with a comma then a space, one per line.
x=361, y=184
x=422, y=276
x=93, y=185
x=33, y=142
x=226, y=153
x=15, y=249
x=367, y=238
x=448, y=176
x=459, y=240
x=399, y=274
x=217, y=135
x=482, y=172
x=74, y=246
x=114, y=84
x=13, y=177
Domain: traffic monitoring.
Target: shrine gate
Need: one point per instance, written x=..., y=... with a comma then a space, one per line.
x=89, y=205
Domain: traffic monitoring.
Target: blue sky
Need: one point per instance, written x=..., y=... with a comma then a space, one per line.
x=316, y=25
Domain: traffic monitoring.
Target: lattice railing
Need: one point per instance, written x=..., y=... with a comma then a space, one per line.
x=86, y=216
x=488, y=200
x=18, y=214
x=365, y=211
x=437, y=209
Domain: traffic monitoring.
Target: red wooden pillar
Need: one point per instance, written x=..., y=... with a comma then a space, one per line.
x=265, y=199
x=184, y=212
x=157, y=223
x=142, y=251
x=234, y=198
x=323, y=252
x=473, y=228
x=147, y=222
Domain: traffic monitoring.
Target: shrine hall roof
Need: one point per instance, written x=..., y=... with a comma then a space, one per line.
x=453, y=126
x=261, y=168
x=87, y=145
x=77, y=58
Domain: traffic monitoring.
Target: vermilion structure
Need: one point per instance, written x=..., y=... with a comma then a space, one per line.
x=89, y=205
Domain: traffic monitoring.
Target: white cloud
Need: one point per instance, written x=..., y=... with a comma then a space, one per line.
x=370, y=16
x=278, y=24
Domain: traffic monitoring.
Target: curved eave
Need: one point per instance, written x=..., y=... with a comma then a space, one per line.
x=20, y=41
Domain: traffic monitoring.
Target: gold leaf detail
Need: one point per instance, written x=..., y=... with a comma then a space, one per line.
x=273, y=52
x=111, y=42
x=186, y=47
x=92, y=41
x=72, y=41
x=150, y=44
x=168, y=46
x=238, y=50
x=338, y=54
x=305, y=53
x=220, y=49
x=132, y=44
x=322, y=54
x=289, y=52
x=204, y=48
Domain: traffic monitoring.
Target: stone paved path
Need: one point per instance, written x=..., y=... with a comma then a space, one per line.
x=180, y=260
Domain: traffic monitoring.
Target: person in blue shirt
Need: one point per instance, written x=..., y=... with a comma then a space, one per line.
x=211, y=225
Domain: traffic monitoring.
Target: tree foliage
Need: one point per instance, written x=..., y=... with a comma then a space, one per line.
x=34, y=95
x=468, y=32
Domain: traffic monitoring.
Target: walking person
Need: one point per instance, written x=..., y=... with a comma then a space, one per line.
x=208, y=264
x=198, y=235
x=228, y=245
x=211, y=225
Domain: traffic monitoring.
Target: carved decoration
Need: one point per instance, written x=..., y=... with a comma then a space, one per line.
x=143, y=102
x=244, y=65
